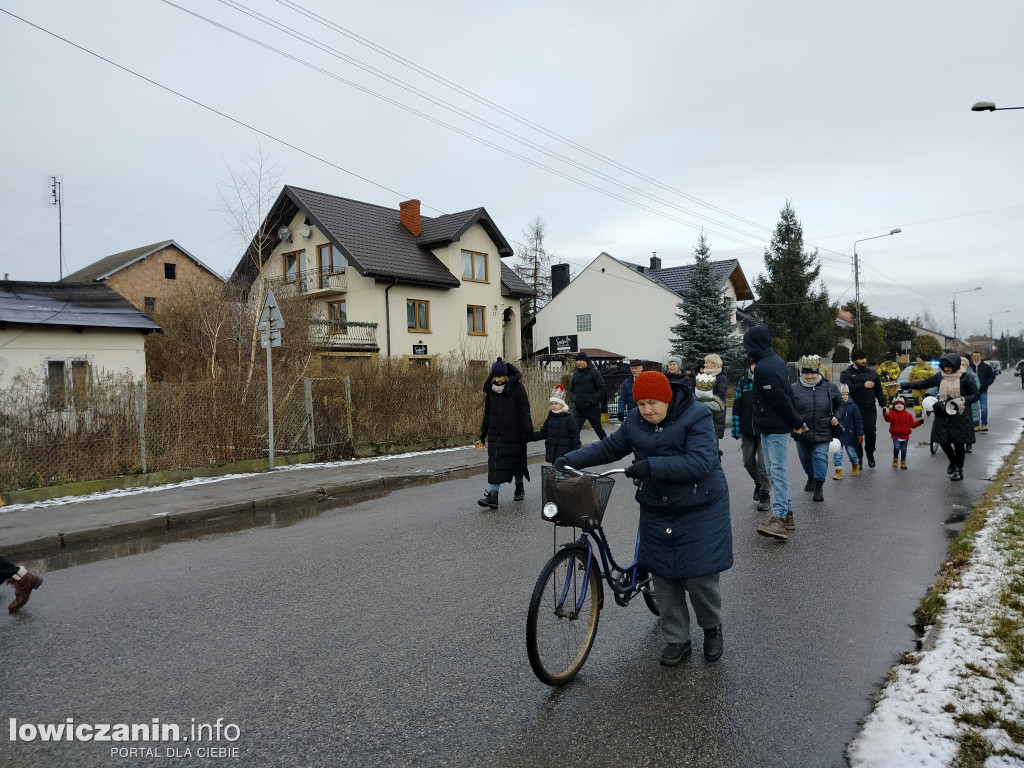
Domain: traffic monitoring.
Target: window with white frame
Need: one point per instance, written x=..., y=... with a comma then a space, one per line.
x=582, y=323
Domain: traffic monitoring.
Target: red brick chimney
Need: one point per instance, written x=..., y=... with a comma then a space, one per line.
x=410, y=216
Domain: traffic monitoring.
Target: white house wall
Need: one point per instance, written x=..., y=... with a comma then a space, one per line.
x=630, y=314
x=106, y=351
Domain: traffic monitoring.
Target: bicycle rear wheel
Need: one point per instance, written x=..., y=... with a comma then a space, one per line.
x=559, y=634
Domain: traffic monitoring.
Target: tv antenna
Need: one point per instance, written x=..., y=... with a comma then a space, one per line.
x=55, y=197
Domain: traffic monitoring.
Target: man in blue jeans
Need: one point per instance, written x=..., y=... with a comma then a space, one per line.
x=775, y=417
x=986, y=377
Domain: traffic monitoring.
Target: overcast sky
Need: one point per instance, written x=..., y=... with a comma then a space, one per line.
x=669, y=115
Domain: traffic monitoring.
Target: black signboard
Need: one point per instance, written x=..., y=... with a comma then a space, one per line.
x=419, y=349
x=563, y=345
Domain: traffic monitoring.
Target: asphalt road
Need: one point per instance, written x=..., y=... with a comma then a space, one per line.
x=391, y=631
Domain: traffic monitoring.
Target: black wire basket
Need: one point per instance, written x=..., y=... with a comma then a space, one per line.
x=581, y=499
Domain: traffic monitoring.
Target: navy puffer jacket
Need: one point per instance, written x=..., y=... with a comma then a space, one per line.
x=588, y=389
x=685, y=530
x=560, y=434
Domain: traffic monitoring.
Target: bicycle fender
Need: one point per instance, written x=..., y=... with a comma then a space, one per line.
x=575, y=545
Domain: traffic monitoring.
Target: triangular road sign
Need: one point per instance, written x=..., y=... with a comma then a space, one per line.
x=270, y=309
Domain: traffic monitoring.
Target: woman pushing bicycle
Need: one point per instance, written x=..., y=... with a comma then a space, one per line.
x=685, y=535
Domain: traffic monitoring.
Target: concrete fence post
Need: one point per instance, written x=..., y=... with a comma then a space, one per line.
x=140, y=407
x=307, y=385
x=348, y=404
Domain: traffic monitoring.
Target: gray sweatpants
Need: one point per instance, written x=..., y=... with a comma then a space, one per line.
x=753, y=460
x=675, y=616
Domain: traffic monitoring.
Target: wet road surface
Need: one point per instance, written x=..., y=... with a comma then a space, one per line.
x=391, y=631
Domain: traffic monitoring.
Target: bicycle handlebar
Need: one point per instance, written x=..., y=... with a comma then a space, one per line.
x=580, y=472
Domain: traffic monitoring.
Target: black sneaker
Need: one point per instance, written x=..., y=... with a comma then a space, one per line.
x=757, y=491
x=673, y=653
x=950, y=469
x=958, y=474
x=520, y=493
x=871, y=461
x=809, y=486
x=713, y=643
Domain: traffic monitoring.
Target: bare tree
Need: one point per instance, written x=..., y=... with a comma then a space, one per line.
x=196, y=321
x=533, y=264
x=247, y=194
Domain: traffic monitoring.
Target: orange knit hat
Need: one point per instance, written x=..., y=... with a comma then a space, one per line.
x=652, y=385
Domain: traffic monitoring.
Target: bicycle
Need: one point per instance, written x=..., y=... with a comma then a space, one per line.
x=566, y=604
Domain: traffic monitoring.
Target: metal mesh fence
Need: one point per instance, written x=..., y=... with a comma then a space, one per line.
x=116, y=427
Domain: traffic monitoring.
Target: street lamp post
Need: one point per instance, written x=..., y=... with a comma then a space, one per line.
x=956, y=336
x=988, y=106
x=856, y=274
x=990, y=331
x=1008, y=361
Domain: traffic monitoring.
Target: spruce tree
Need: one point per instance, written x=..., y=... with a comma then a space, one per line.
x=705, y=320
x=789, y=303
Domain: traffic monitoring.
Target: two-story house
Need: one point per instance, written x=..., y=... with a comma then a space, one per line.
x=148, y=275
x=390, y=281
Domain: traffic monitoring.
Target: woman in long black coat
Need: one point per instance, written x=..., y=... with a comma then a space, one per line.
x=953, y=425
x=506, y=429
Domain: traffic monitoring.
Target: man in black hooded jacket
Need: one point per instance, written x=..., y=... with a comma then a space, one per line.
x=865, y=390
x=588, y=394
x=775, y=417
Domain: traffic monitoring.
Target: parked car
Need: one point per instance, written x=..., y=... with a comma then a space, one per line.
x=1017, y=367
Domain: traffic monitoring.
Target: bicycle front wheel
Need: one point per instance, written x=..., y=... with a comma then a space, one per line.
x=562, y=621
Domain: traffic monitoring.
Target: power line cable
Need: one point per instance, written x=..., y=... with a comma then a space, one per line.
x=217, y=112
x=466, y=134
x=469, y=116
x=305, y=152
x=508, y=113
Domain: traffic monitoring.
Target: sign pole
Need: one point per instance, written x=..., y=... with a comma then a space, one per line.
x=270, y=397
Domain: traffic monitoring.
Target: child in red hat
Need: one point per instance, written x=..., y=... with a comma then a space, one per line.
x=901, y=421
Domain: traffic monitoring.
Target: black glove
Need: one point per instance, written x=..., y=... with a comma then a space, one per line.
x=560, y=462
x=621, y=416
x=640, y=470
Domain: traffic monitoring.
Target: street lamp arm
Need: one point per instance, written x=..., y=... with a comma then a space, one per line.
x=988, y=106
x=856, y=272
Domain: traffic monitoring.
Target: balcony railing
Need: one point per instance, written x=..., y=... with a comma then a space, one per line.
x=313, y=281
x=349, y=334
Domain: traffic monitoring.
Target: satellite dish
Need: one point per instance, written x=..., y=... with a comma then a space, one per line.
x=303, y=231
x=285, y=234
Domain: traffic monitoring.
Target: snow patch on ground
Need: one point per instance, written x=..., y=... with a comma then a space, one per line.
x=218, y=479
x=910, y=726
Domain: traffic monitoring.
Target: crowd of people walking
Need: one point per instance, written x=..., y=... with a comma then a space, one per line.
x=672, y=424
